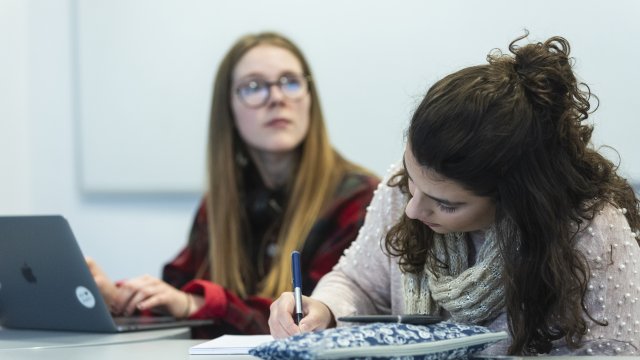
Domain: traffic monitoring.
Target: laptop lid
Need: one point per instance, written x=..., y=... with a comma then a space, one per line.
x=45, y=282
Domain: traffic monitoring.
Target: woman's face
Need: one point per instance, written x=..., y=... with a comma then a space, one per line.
x=281, y=124
x=442, y=204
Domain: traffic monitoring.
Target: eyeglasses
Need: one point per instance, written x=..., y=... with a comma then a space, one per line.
x=256, y=92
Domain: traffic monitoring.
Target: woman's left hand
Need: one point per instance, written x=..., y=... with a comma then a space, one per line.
x=150, y=293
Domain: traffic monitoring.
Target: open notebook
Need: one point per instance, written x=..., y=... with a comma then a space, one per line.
x=230, y=345
x=46, y=284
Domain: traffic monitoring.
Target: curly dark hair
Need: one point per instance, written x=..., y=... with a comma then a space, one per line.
x=514, y=130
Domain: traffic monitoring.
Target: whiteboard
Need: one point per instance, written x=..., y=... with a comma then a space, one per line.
x=145, y=71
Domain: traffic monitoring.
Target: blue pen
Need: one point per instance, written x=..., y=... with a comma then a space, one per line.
x=297, y=285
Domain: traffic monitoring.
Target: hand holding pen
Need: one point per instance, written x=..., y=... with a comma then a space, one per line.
x=290, y=316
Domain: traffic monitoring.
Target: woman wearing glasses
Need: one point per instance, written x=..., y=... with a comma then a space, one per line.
x=275, y=185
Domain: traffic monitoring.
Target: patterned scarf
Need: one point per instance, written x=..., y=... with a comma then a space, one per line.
x=471, y=295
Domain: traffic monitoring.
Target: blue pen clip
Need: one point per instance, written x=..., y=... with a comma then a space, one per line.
x=297, y=285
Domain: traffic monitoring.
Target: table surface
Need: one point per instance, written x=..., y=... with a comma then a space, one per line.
x=170, y=344
x=146, y=350
x=171, y=349
x=41, y=339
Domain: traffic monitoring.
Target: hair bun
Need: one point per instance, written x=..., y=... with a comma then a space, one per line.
x=544, y=69
x=542, y=80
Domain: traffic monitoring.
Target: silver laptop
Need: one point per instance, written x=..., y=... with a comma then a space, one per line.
x=46, y=284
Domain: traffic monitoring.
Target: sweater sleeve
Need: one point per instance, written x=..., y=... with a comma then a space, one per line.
x=613, y=294
x=360, y=283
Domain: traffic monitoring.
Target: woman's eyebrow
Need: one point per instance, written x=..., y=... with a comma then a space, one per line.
x=260, y=76
x=442, y=201
x=250, y=76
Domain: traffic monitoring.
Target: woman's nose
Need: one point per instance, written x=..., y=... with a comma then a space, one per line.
x=275, y=94
x=416, y=208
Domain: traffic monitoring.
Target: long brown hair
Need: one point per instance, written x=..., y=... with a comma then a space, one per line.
x=317, y=174
x=514, y=130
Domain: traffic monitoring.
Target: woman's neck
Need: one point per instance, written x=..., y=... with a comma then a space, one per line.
x=476, y=239
x=275, y=168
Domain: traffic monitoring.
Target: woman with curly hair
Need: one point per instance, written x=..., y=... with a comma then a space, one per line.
x=501, y=214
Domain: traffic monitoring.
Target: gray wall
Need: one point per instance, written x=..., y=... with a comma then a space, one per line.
x=104, y=103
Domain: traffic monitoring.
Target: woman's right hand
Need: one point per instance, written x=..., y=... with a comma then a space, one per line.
x=317, y=316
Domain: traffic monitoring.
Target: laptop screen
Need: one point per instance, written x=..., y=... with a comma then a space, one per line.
x=45, y=282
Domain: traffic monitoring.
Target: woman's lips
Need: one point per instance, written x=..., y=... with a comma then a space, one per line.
x=431, y=224
x=278, y=123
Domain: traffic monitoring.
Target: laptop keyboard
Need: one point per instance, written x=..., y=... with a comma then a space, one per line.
x=141, y=320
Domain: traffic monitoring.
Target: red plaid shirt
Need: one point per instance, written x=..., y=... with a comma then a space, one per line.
x=330, y=236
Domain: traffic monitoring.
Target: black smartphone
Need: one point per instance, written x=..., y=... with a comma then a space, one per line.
x=414, y=319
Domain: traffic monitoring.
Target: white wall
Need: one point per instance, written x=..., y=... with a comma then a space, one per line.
x=15, y=160
x=128, y=235
x=145, y=70
x=359, y=51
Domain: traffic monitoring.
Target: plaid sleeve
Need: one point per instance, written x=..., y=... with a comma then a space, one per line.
x=185, y=266
x=332, y=233
x=235, y=315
